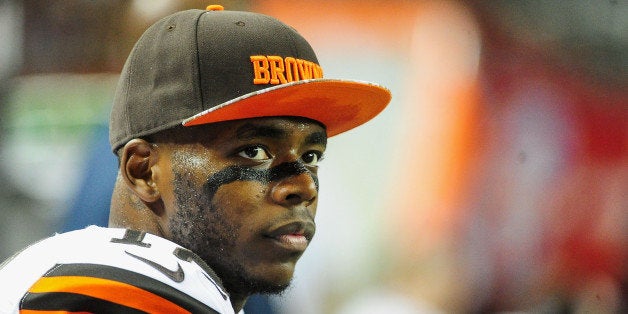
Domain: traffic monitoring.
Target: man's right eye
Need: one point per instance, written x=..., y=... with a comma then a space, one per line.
x=255, y=153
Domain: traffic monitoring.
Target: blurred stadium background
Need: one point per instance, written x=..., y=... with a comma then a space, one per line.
x=496, y=181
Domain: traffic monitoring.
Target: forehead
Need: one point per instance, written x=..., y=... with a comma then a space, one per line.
x=276, y=128
x=300, y=124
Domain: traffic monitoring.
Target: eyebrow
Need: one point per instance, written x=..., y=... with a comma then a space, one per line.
x=317, y=138
x=251, y=131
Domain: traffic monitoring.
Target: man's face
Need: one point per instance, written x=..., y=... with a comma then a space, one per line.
x=243, y=197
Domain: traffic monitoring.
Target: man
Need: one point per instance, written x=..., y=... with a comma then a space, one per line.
x=219, y=121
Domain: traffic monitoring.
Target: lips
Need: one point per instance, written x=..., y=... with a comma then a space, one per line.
x=294, y=236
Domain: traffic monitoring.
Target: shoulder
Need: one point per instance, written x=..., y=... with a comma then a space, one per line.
x=105, y=263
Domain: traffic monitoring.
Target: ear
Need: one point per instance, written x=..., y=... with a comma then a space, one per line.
x=136, y=167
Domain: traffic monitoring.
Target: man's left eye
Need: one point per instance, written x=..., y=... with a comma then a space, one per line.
x=312, y=158
x=255, y=153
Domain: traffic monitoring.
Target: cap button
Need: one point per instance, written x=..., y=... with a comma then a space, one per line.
x=215, y=7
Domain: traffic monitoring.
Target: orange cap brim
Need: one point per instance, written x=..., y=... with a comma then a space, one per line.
x=340, y=105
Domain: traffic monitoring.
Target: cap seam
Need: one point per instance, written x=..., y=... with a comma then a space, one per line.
x=198, y=62
x=294, y=46
x=291, y=37
x=125, y=108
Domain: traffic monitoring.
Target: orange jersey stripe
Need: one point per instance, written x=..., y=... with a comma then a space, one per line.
x=109, y=290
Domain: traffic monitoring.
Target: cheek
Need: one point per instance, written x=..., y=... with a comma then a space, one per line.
x=190, y=171
x=195, y=165
x=188, y=193
x=242, y=205
x=191, y=159
x=241, y=198
x=312, y=208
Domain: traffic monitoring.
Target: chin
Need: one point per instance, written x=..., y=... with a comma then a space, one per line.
x=271, y=288
x=260, y=286
x=271, y=279
x=278, y=275
x=262, y=279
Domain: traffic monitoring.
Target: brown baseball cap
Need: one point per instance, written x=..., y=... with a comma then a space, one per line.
x=203, y=66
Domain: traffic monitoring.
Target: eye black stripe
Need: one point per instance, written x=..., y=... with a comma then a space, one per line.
x=239, y=173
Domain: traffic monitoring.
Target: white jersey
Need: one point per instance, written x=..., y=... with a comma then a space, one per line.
x=107, y=270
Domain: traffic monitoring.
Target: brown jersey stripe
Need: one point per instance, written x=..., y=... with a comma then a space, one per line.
x=109, y=290
x=50, y=312
x=71, y=303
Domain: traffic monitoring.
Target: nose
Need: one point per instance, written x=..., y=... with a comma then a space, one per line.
x=295, y=190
